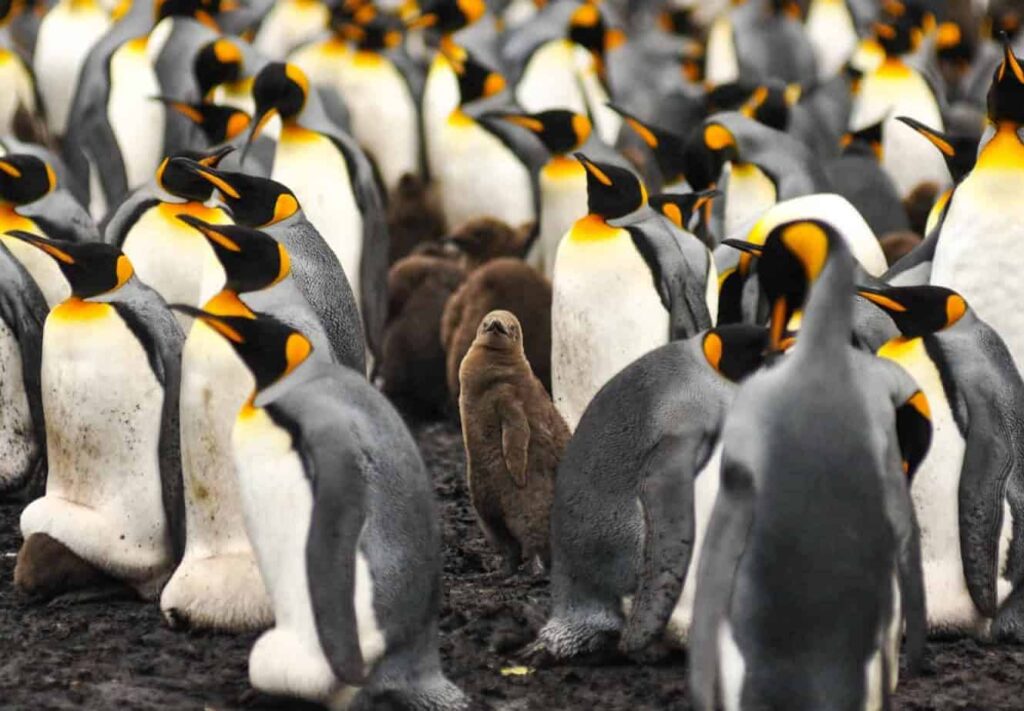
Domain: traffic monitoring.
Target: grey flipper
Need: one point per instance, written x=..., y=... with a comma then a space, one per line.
x=24, y=310
x=731, y=521
x=914, y=269
x=320, y=278
x=156, y=327
x=120, y=220
x=60, y=216
x=373, y=267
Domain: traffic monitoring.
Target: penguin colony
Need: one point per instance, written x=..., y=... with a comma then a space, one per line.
x=726, y=295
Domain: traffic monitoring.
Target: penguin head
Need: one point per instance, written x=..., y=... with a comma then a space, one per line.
x=679, y=21
x=376, y=34
x=91, y=268
x=279, y=88
x=25, y=178
x=1006, y=94
x=500, y=331
x=720, y=141
x=770, y=104
x=914, y=431
x=253, y=201
x=201, y=10
x=476, y=81
x=177, y=180
x=269, y=348
x=736, y=350
x=252, y=260
x=218, y=62
x=668, y=147
x=612, y=192
x=959, y=151
x=680, y=208
x=444, y=16
x=559, y=130
x=789, y=262
x=218, y=123
x=917, y=311
x=864, y=141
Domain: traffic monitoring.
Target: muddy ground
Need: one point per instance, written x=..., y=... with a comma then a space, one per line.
x=120, y=655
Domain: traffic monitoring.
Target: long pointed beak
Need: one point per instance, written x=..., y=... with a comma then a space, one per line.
x=42, y=244
x=214, y=322
x=777, y=325
x=211, y=175
x=937, y=138
x=744, y=246
x=212, y=160
x=263, y=115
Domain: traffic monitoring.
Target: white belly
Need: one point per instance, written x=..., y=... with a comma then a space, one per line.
x=18, y=91
x=278, y=503
x=978, y=253
x=103, y=407
x=289, y=24
x=169, y=256
x=704, y=494
x=480, y=177
x=217, y=583
x=136, y=120
x=748, y=194
x=605, y=314
x=316, y=172
x=732, y=668
x=18, y=445
x=66, y=35
x=832, y=34
x=551, y=80
x=440, y=98
x=721, y=65
x=562, y=202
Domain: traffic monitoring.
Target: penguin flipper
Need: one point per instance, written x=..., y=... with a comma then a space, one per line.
x=336, y=523
x=731, y=521
x=666, y=496
x=515, y=441
x=119, y=222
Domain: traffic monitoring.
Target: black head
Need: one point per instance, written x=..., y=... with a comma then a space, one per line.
x=681, y=207
x=668, y=146
x=865, y=141
x=381, y=32
x=91, y=268
x=770, y=104
x=736, y=350
x=219, y=124
x=269, y=348
x=587, y=28
x=561, y=131
x=279, y=88
x=251, y=259
x=917, y=311
x=898, y=34
x=1004, y=18
x=956, y=44
x=720, y=141
x=500, y=330
x=612, y=191
x=218, y=62
x=1006, y=95
x=177, y=180
x=679, y=21
x=202, y=10
x=476, y=81
x=253, y=201
x=960, y=152
x=790, y=261
x=914, y=432
x=24, y=178
x=446, y=16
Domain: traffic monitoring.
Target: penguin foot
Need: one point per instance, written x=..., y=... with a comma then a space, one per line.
x=558, y=644
x=46, y=569
x=111, y=592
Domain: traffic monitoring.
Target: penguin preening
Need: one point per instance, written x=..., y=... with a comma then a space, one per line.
x=340, y=512
x=110, y=376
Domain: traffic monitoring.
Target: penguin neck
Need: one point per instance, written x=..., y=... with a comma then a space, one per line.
x=227, y=303
x=1004, y=152
x=459, y=118
x=827, y=320
x=592, y=228
x=562, y=167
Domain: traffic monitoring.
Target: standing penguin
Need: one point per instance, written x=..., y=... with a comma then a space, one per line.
x=618, y=292
x=340, y=512
x=110, y=376
x=811, y=485
x=973, y=475
x=976, y=251
x=22, y=433
x=166, y=254
x=333, y=181
x=261, y=203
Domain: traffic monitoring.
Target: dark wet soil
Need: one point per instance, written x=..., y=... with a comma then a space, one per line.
x=119, y=654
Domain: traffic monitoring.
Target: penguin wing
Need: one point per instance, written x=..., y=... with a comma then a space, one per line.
x=337, y=472
x=119, y=222
x=731, y=521
x=666, y=496
x=988, y=397
x=515, y=441
x=60, y=216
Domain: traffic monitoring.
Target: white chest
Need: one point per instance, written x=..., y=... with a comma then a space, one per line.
x=722, y=65
x=18, y=445
x=563, y=200
x=136, y=120
x=832, y=34
x=18, y=90
x=440, y=98
x=551, y=79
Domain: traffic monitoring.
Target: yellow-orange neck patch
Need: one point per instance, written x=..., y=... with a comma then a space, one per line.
x=592, y=228
x=76, y=309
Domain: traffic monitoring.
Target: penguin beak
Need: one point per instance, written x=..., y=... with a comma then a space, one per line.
x=212, y=160
x=210, y=320
x=42, y=244
x=182, y=107
x=528, y=122
x=496, y=326
x=210, y=174
x=744, y=246
x=9, y=169
x=645, y=133
x=210, y=232
x=263, y=115
x=879, y=298
x=937, y=138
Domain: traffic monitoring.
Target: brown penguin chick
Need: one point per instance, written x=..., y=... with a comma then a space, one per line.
x=46, y=568
x=414, y=217
x=514, y=439
x=509, y=284
x=919, y=205
x=412, y=364
x=896, y=245
x=479, y=241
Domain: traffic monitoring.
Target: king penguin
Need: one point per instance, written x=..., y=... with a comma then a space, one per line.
x=113, y=489
x=332, y=179
x=18, y=106
x=809, y=456
x=167, y=255
x=340, y=512
x=969, y=490
x=618, y=292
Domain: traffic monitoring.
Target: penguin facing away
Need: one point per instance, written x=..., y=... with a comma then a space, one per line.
x=113, y=490
x=969, y=489
x=353, y=567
